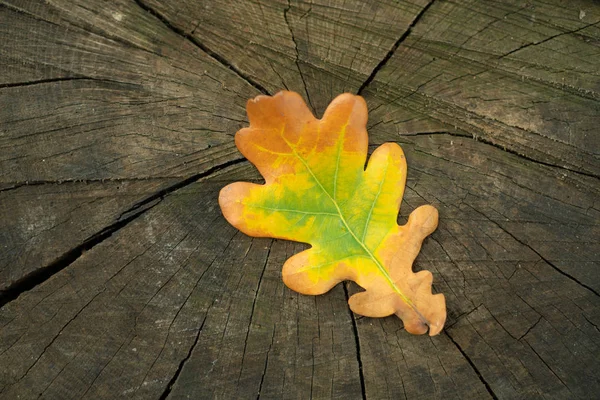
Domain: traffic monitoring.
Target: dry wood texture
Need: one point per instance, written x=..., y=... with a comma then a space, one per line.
x=119, y=278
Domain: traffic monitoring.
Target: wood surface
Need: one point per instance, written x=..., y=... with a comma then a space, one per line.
x=119, y=277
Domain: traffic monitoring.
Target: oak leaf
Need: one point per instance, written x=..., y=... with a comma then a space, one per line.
x=318, y=191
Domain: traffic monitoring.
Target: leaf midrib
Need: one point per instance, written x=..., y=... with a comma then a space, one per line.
x=375, y=260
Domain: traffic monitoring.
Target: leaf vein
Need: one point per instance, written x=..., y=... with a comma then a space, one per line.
x=311, y=267
x=380, y=267
x=374, y=202
x=292, y=211
x=337, y=163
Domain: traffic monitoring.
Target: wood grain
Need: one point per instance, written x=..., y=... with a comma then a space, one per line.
x=43, y=222
x=121, y=279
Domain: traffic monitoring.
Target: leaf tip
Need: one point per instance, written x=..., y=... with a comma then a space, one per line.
x=437, y=322
x=424, y=219
x=350, y=107
x=230, y=202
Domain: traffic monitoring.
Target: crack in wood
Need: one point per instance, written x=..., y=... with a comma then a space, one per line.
x=175, y=376
x=499, y=67
x=297, y=60
x=19, y=184
x=450, y=111
x=395, y=46
x=171, y=383
x=528, y=330
x=262, y=378
x=99, y=372
x=253, y=307
x=590, y=322
x=547, y=39
x=571, y=277
x=312, y=370
x=64, y=79
x=525, y=157
x=472, y=364
x=547, y=365
x=215, y=56
x=357, y=343
x=168, y=331
x=506, y=330
x=479, y=139
x=475, y=115
x=463, y=315
x=42, y=274
x=57, y=335
x=41, y=395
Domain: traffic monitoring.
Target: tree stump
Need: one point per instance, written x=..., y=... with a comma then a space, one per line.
x=120, y=278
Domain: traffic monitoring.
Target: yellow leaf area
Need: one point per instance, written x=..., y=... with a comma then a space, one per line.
x=318, y=191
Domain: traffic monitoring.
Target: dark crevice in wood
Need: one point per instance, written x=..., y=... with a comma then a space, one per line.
x=312, y=370
x=42, y=274
x=357, y=342
x=97, y=374
x=59, y=333
x=576, y=91
x=547, y=365
x=464, y=314
x=478, y=116
x=530, y=328
x=539, y=255
x=65, y=79
x=503, y=148
x=17, y=185
x=173, y=379
x=472, y=364
x=13, y=186
x=547, y=39
x=262, y=378
x=42, y=394
x=86, y=29
x=297, y=61
x=217, y=57
x=506, y=330
x=169, y=387
x=570, y=89
x=580, y=172
x=560, y=271
x=52, y=80
x=431, y=133
x=397, y=44
x=253, y=307
x=589, y=174
x=590, y=322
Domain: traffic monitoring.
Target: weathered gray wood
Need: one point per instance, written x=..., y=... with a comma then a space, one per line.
x=517, y=294
x=247, y=323
x=495, y=104
x=40, y=223
x=484, y=78
x=118, y=287
x=132, y=100
x=188, y=279
x=440, y=80
x=99, y=91
x=317, y=48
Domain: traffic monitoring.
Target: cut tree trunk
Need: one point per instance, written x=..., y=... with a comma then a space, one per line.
x=119, y=277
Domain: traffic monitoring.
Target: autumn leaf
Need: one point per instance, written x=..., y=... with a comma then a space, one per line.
x=318, y=191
